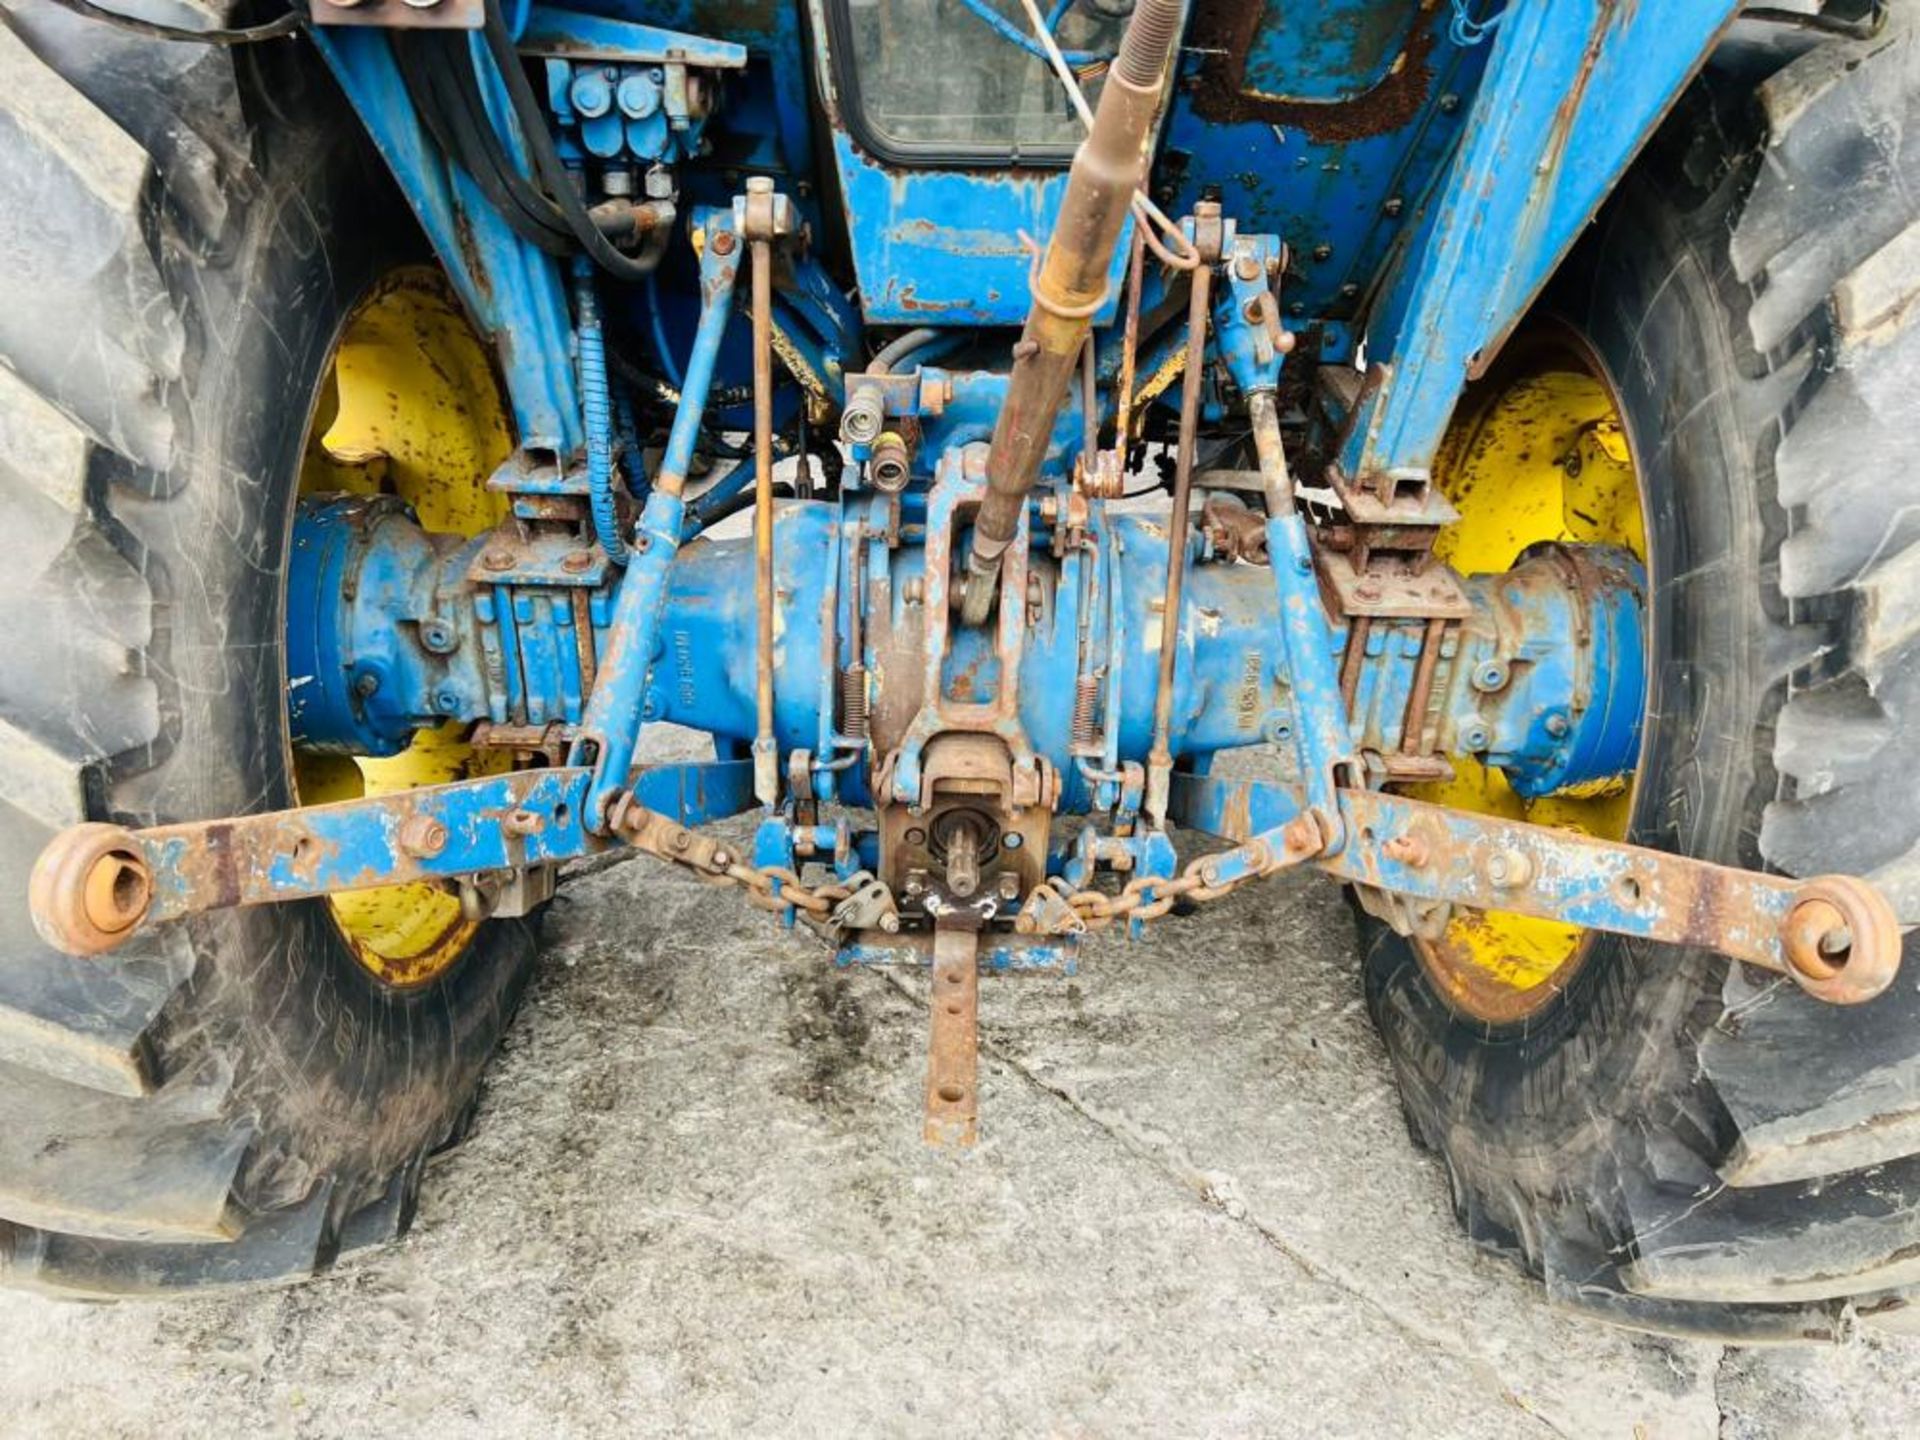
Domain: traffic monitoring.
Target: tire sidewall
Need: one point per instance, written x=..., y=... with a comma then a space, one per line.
x=1549, y=1104
x=344, y=1079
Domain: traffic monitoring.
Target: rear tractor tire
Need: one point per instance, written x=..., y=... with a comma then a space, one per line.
x=1671, y=1142
x=200, y=249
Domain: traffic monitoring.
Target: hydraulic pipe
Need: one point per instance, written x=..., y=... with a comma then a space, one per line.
x=766, y=751
x=1160, y=757
x=1070, y=285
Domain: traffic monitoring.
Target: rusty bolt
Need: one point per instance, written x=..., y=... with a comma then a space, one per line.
x=422, y=836
x=1026, y=349
x=721, y=860
x=1509, y=869
x=914, y=591
x=1449, y=103
x=681, y=839
x=1411, y=851
x=1323, y=252
x=497, y=559
x=1558, y=725
x=642, y=542
x=890, y=923
x=574, y=561
x=522, y=822
x=1210, y=873
x=1393, y=206
x=1300, y=837
x=1247, y=267
x=723, y=242
x=1009, y=885
x=1366, y=592
x=1490, y=675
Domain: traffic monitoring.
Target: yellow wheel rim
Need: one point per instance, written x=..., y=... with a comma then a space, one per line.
x=1536, y=452
x=410, y=407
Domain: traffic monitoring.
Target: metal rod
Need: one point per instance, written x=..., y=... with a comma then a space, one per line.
x=1160, y=757
x=1129, y=346
x=1413, y=729
x=1089, y=405
x=766, y=754
x=1359, y=631
x=1070, y=285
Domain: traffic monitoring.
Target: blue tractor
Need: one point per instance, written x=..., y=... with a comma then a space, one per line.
x=1076, y=459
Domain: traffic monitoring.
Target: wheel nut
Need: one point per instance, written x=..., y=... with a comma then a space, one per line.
x=422, y=836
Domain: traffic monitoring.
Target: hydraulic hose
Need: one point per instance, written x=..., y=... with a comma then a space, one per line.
x=1070, y=285
x=898, y=348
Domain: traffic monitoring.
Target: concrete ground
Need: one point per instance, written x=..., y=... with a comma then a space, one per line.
x=697, y=1202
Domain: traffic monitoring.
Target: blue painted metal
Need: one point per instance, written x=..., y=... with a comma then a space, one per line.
x=998, y=955
x=512, y=290
x=1486, y=862
x=576, y=34
x=1423, y=174
x=943, y=247
x=1571, y=91
x=355, y=845
x=1545, y=680
x=610, y=728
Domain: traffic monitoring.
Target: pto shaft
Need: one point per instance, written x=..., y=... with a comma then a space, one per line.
x=1070, y=286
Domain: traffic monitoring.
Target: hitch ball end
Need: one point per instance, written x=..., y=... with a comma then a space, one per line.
x=90, y=889
x=1841, y=940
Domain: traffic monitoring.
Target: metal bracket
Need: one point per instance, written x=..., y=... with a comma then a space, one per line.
x=1835, y=936
x=953, y=1044
x=96, y=886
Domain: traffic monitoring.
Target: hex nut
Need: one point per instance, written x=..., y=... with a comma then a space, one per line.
x=422, y=836
x=1509, y=869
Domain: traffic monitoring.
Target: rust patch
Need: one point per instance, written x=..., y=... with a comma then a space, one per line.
x=1223, y=31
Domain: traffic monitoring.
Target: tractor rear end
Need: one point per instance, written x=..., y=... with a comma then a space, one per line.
x=407, y=404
